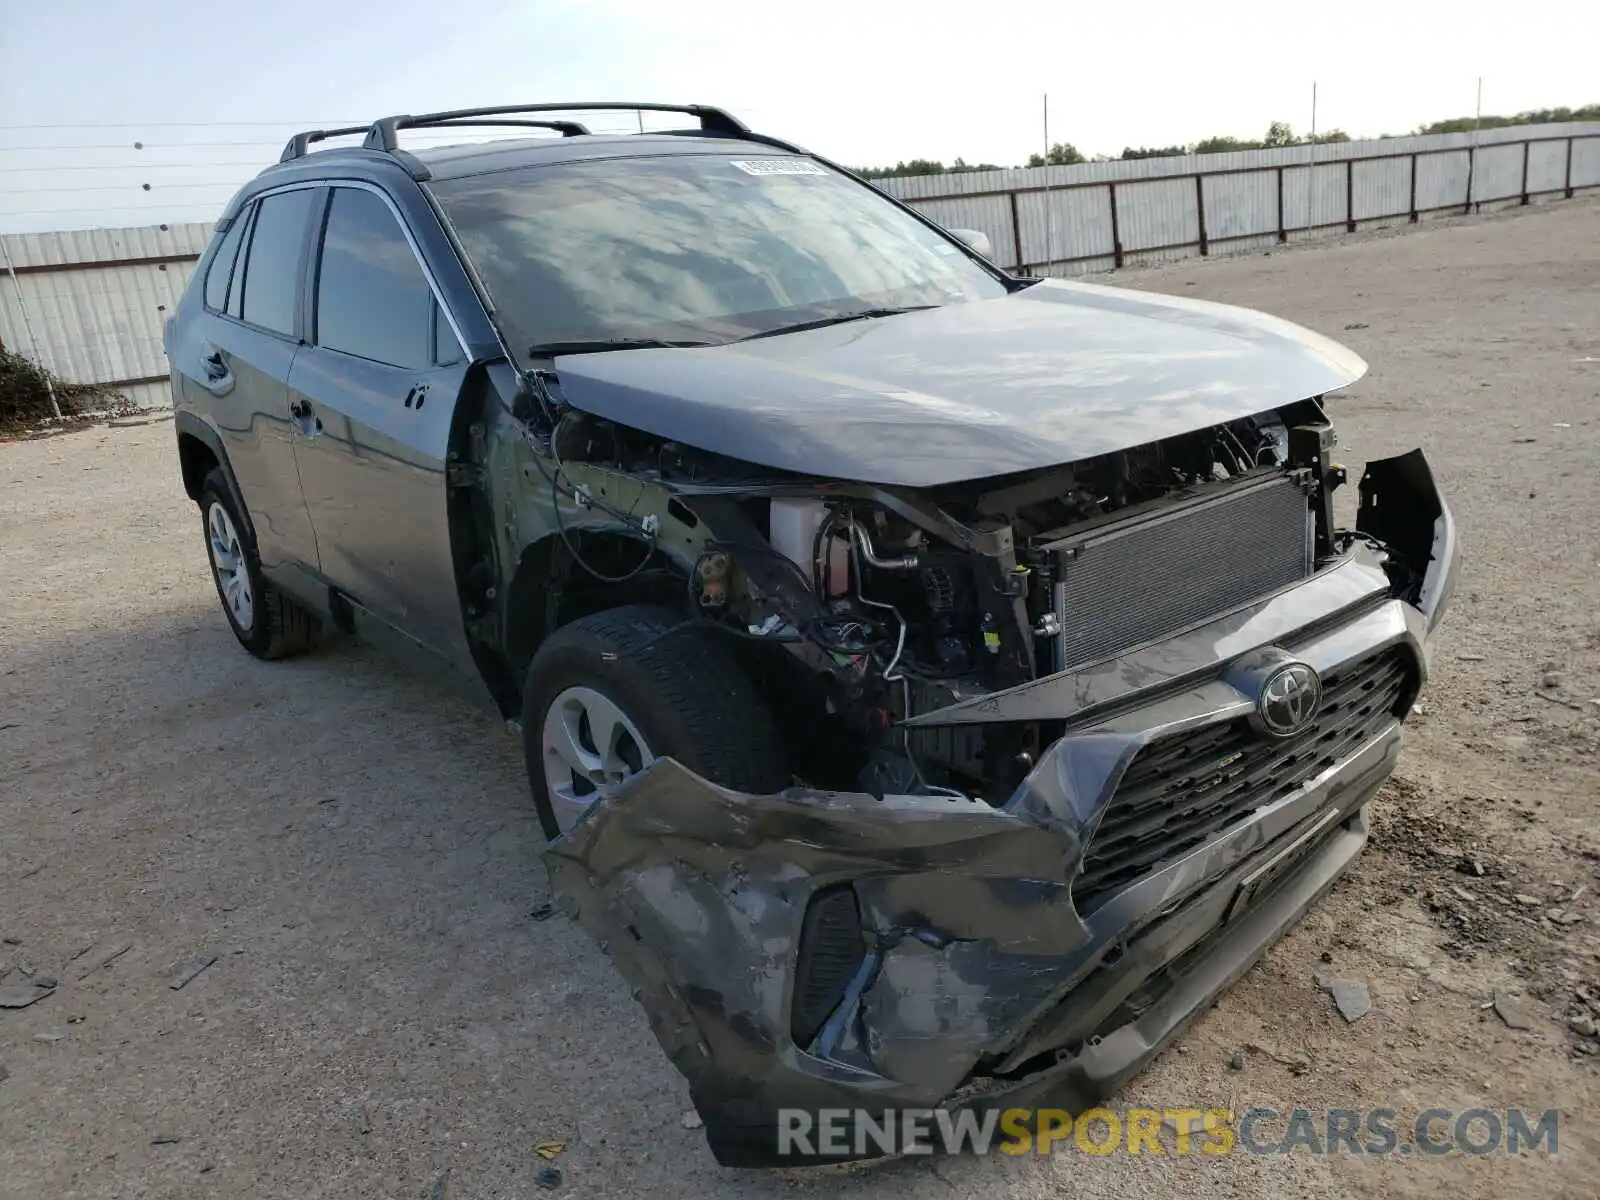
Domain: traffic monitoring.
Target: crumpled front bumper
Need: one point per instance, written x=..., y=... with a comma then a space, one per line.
x=973, y=979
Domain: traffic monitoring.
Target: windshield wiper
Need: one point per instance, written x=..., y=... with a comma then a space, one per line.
x=839, y=319
x=600, y=345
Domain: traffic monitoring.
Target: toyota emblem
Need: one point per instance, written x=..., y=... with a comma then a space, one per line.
x=1289, y=699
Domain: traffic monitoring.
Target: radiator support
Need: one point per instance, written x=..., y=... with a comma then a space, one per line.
x=1149, y=572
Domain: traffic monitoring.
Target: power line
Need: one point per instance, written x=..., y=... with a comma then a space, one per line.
x=427, y=135
x=277, y=143
x=138, y=146
x=115, y=187
x=179, y=124
x=103, y=208
x=138, y=166
x=324, y=123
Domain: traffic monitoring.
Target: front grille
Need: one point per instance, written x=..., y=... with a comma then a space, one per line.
x=1181, y=791
x=1138, y=578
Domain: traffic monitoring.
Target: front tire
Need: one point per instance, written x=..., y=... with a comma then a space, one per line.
x=267, y=623
x=611, y=691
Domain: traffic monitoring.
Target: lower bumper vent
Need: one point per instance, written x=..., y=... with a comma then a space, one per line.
x=830, y=954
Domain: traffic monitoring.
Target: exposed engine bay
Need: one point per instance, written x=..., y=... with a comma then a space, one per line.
x=1020, y=719
x=890, y=604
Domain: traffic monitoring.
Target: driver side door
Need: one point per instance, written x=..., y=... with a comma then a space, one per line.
x=373, y=393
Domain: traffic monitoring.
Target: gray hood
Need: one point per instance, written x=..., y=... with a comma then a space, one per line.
x=1051, y=374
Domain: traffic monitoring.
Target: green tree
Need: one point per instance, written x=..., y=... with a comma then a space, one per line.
x=1537, y=116
x=1129, y=153
x=917, y=166
x=1279, y=134
x=1223, y=145
x=1062, y=154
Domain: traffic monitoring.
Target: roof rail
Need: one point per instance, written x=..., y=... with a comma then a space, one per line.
x=712, y=120
x=299, y=143
x=381, y=134
x=564, y=128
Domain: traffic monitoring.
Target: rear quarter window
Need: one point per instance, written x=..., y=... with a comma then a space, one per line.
x=220, y=272
x=273, y=263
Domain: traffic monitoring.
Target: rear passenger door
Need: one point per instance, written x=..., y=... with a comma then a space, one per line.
x=236, y=364
x=375, y=390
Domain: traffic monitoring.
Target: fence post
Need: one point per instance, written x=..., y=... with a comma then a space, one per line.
x=1283, y=233
x=1200, y=208
x=1413, y=187
x=1466, y=207
x=1016, y=235
x=1116, y=227
x=1525, y=146
x=1349, y=195
x=1567, y=185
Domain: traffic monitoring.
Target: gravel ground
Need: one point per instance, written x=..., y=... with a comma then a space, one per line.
x=387, y=1014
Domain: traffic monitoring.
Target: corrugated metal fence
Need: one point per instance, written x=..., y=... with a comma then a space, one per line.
x=97, y=298
x=1098, y=216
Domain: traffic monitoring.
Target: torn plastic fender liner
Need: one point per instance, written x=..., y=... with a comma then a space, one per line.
x=1401, y=507
x=700, y=895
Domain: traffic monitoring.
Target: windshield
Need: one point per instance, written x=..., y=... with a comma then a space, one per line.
x=693, y=248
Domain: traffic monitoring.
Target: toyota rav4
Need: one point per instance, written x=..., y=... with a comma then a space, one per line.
x=936, y=685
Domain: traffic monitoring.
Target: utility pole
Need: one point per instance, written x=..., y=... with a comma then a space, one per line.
x=1313, y=110
x=1477, y=113
x=27, y=328
x=1049, y=214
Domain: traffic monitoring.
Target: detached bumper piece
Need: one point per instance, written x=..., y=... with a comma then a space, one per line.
x=823, y=950
x=969, y=952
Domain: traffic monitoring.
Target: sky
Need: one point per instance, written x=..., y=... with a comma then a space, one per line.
x=211, y=91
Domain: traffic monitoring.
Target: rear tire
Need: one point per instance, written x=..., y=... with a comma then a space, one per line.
x=680, y=690
x=266, y=622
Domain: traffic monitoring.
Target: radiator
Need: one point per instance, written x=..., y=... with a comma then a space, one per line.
x=1142, y=575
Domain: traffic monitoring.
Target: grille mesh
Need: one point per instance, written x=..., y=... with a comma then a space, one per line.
x=831, y=949
x=1182, y=791
x=1137, y=581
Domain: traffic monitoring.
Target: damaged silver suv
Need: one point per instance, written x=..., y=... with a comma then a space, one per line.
x=936, y=685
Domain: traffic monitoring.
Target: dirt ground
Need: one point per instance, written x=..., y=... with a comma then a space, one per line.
x=392, y=1012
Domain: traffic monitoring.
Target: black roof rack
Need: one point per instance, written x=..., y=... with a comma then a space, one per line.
x=300, y=142
x=381, y=134
x=564, y=128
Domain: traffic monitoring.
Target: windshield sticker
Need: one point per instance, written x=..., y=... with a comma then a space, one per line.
x=777, y=166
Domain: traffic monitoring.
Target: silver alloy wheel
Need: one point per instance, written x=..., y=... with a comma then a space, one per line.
x=589, y=747
x=233, y=572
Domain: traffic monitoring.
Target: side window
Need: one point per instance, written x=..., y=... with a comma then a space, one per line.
x=272, y=267
x=373, y=300
x=446, y=350
x=221, y=270
x=236, y=289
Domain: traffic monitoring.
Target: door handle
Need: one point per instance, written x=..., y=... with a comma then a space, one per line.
x=301, y=412
x=215, y=365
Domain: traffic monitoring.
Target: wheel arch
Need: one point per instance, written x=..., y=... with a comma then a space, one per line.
x=200, y=452
x=551, y=587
